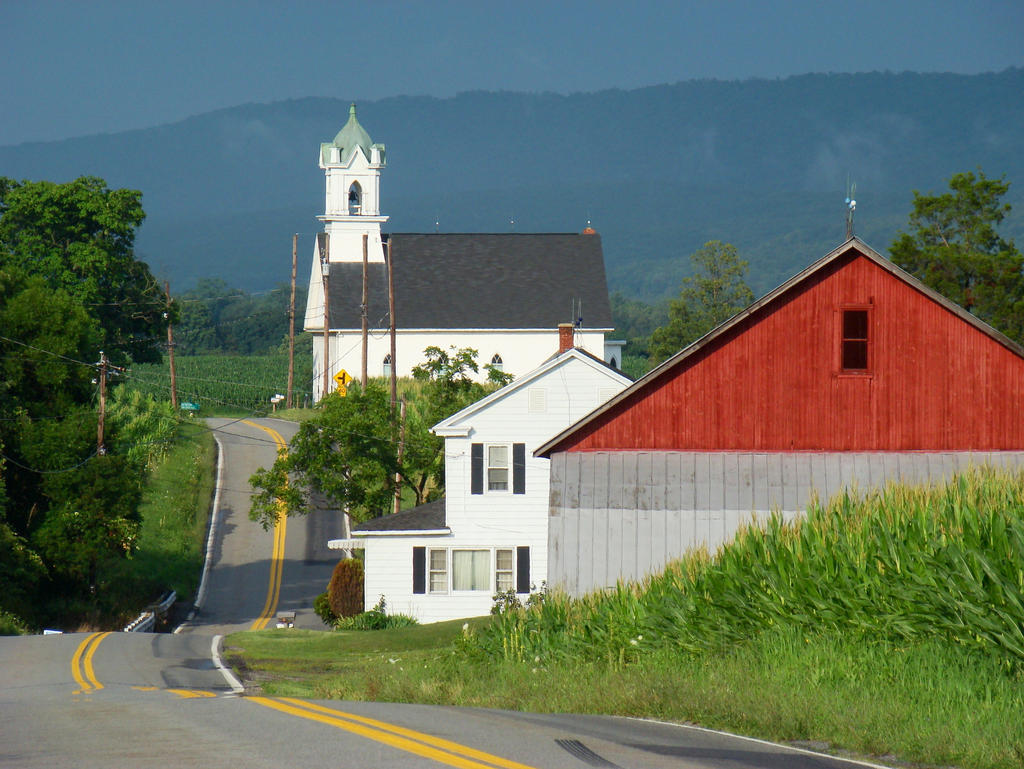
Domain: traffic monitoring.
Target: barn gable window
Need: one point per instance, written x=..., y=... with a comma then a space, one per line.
x=855, y=340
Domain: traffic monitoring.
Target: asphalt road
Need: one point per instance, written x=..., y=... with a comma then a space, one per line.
x=133, y=699
x=121, y=700
x=249, y=578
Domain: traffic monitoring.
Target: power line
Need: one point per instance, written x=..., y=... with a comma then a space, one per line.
x=48, y=352
x=47, y=472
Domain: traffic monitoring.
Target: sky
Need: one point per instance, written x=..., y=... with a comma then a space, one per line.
x=82, y=67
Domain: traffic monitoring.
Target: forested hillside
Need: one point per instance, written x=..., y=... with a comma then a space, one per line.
x=761, y=164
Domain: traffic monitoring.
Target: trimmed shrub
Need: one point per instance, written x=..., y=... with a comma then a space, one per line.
x=345, y=590
x=322, y=607
x=376, y=618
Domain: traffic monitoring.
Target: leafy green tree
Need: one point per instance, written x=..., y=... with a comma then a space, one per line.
x=717, y=291
x=94, y=518
x=44, y=450
x=447, y=381
x=954, y=248
x=218, y=318
x=349, y=451
x=46, y=343
x=635, y=321
x=79, y=237
x=21, y=573
x=45, y=336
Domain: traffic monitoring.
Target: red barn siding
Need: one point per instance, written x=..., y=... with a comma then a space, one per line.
x=773, y=381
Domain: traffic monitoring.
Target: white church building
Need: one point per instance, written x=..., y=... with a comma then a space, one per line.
x=503, y=295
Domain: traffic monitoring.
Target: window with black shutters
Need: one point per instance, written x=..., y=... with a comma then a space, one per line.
x=493, y=463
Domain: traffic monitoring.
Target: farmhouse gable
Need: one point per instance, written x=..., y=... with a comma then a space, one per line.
x=446, y=559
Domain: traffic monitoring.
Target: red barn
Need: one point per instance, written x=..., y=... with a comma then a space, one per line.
x=851, y=373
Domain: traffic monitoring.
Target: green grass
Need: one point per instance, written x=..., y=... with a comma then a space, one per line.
x=175, y=510
x=297, y=663
x=928, y=702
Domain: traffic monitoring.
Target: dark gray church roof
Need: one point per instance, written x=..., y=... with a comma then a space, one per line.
x=428, y=517
x=484, y=281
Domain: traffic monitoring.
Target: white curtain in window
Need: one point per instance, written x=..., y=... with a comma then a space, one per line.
x=471, y=569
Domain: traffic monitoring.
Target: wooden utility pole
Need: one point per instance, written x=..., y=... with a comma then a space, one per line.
x=401, y=453
x=170, y=348
x=391, y=315
x=100, y=448
x=325, y=271
x=363, y=309
x=291, y=327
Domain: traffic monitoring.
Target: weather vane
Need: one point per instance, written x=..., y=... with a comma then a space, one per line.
x=851, y=206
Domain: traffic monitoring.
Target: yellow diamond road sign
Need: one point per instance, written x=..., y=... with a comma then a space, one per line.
x=343, y=379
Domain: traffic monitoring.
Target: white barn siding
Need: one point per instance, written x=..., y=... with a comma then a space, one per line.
x=658, y=505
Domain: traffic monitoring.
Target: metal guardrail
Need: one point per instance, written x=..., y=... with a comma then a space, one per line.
x=141, y=624
x=146, y=621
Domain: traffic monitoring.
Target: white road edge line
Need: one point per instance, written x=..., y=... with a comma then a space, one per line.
x=234, y=683
x=792, y=748
x=211, y=537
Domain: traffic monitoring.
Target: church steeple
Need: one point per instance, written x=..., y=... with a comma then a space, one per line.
x=353, y=135
x=352, y=163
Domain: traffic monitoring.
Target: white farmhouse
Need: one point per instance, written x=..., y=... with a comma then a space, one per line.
x=499, y=294
x=446, y=559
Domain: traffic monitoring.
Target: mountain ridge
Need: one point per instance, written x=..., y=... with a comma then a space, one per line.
x=660, y=169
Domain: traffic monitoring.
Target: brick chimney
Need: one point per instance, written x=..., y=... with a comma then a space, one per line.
x=565, y=341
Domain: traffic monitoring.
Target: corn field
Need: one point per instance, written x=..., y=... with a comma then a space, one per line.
x=218, y=382
x=902, y=564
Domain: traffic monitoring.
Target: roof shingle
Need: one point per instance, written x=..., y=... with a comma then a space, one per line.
x=428, y=517
x=478, y=281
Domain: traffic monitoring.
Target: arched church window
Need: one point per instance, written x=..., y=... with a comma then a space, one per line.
x=355, y=199
x=613, y=363
x=387, y=365
x=496, y=362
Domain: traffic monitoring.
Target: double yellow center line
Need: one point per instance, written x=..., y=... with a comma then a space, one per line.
x=277, y=554
x=418, y=743
x=81, y=664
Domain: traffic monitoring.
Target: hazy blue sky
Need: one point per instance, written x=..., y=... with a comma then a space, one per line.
x=74, y=68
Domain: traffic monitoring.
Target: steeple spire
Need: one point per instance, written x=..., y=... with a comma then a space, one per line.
x=352, y=164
